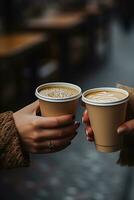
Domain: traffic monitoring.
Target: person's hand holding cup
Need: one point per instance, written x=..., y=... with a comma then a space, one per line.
x=106, y=108
x=88, y=128
x=44, y=134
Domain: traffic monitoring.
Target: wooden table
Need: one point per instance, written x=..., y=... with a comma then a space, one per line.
x=58, y=22
x=12, y=45
x=63, y=26
x=13, y=48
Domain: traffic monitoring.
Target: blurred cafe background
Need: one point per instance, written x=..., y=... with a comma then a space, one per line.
x=85, y=42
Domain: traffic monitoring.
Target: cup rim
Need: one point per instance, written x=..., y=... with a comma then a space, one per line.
x=116, y=102
x=56, y=100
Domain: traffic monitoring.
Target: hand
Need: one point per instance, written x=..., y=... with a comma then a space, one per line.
x=44, y=134
x=88, y=129
x=126, y=128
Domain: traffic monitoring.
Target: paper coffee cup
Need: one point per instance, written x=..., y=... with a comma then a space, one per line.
x=105, y=117
x=56, y=106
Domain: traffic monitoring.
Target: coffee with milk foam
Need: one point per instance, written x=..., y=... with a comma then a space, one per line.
x=58, y=92
x=105, y=96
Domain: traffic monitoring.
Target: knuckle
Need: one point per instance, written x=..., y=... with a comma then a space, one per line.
x=132, y=125
x=57, y=123
x=35, y=136
x=127, y=127
x=34, y=122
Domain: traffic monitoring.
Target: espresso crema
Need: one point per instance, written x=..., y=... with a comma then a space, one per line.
x=105, y=96
x=58, y=92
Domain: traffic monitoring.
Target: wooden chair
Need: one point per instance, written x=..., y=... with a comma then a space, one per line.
x=20, y=53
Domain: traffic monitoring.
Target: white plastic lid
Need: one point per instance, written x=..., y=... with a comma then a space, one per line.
x=60, y=84
x=115, y=102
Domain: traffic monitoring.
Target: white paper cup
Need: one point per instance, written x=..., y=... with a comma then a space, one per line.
x=58, y=106
x=105, y=118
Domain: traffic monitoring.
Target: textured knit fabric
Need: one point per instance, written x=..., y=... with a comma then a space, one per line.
x=127, y=153
x=11, y=151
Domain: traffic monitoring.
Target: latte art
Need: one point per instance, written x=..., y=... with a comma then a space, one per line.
x=105, y=96
x=58, y=92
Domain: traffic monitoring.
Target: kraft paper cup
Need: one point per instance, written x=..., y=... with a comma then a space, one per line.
x=56, y=106
x=105, y=118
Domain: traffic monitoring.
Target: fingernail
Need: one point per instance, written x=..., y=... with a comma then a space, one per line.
x=121, y=129
x=90, y=139
x=87, y=138
x=87, y=132
x=77, y=124
x=85, y=112
x=82, y=119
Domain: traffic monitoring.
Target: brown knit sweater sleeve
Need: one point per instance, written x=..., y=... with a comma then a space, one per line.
x=11, y=153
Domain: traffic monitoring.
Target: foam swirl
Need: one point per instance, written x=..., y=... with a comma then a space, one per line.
x=105, y=96
x=58, y=92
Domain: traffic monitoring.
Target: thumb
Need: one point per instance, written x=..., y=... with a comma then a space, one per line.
x=127, y=127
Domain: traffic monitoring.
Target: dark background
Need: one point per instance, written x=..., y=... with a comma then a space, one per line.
x=101, y=54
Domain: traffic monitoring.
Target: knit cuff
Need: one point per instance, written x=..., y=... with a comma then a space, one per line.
x=12, y=155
